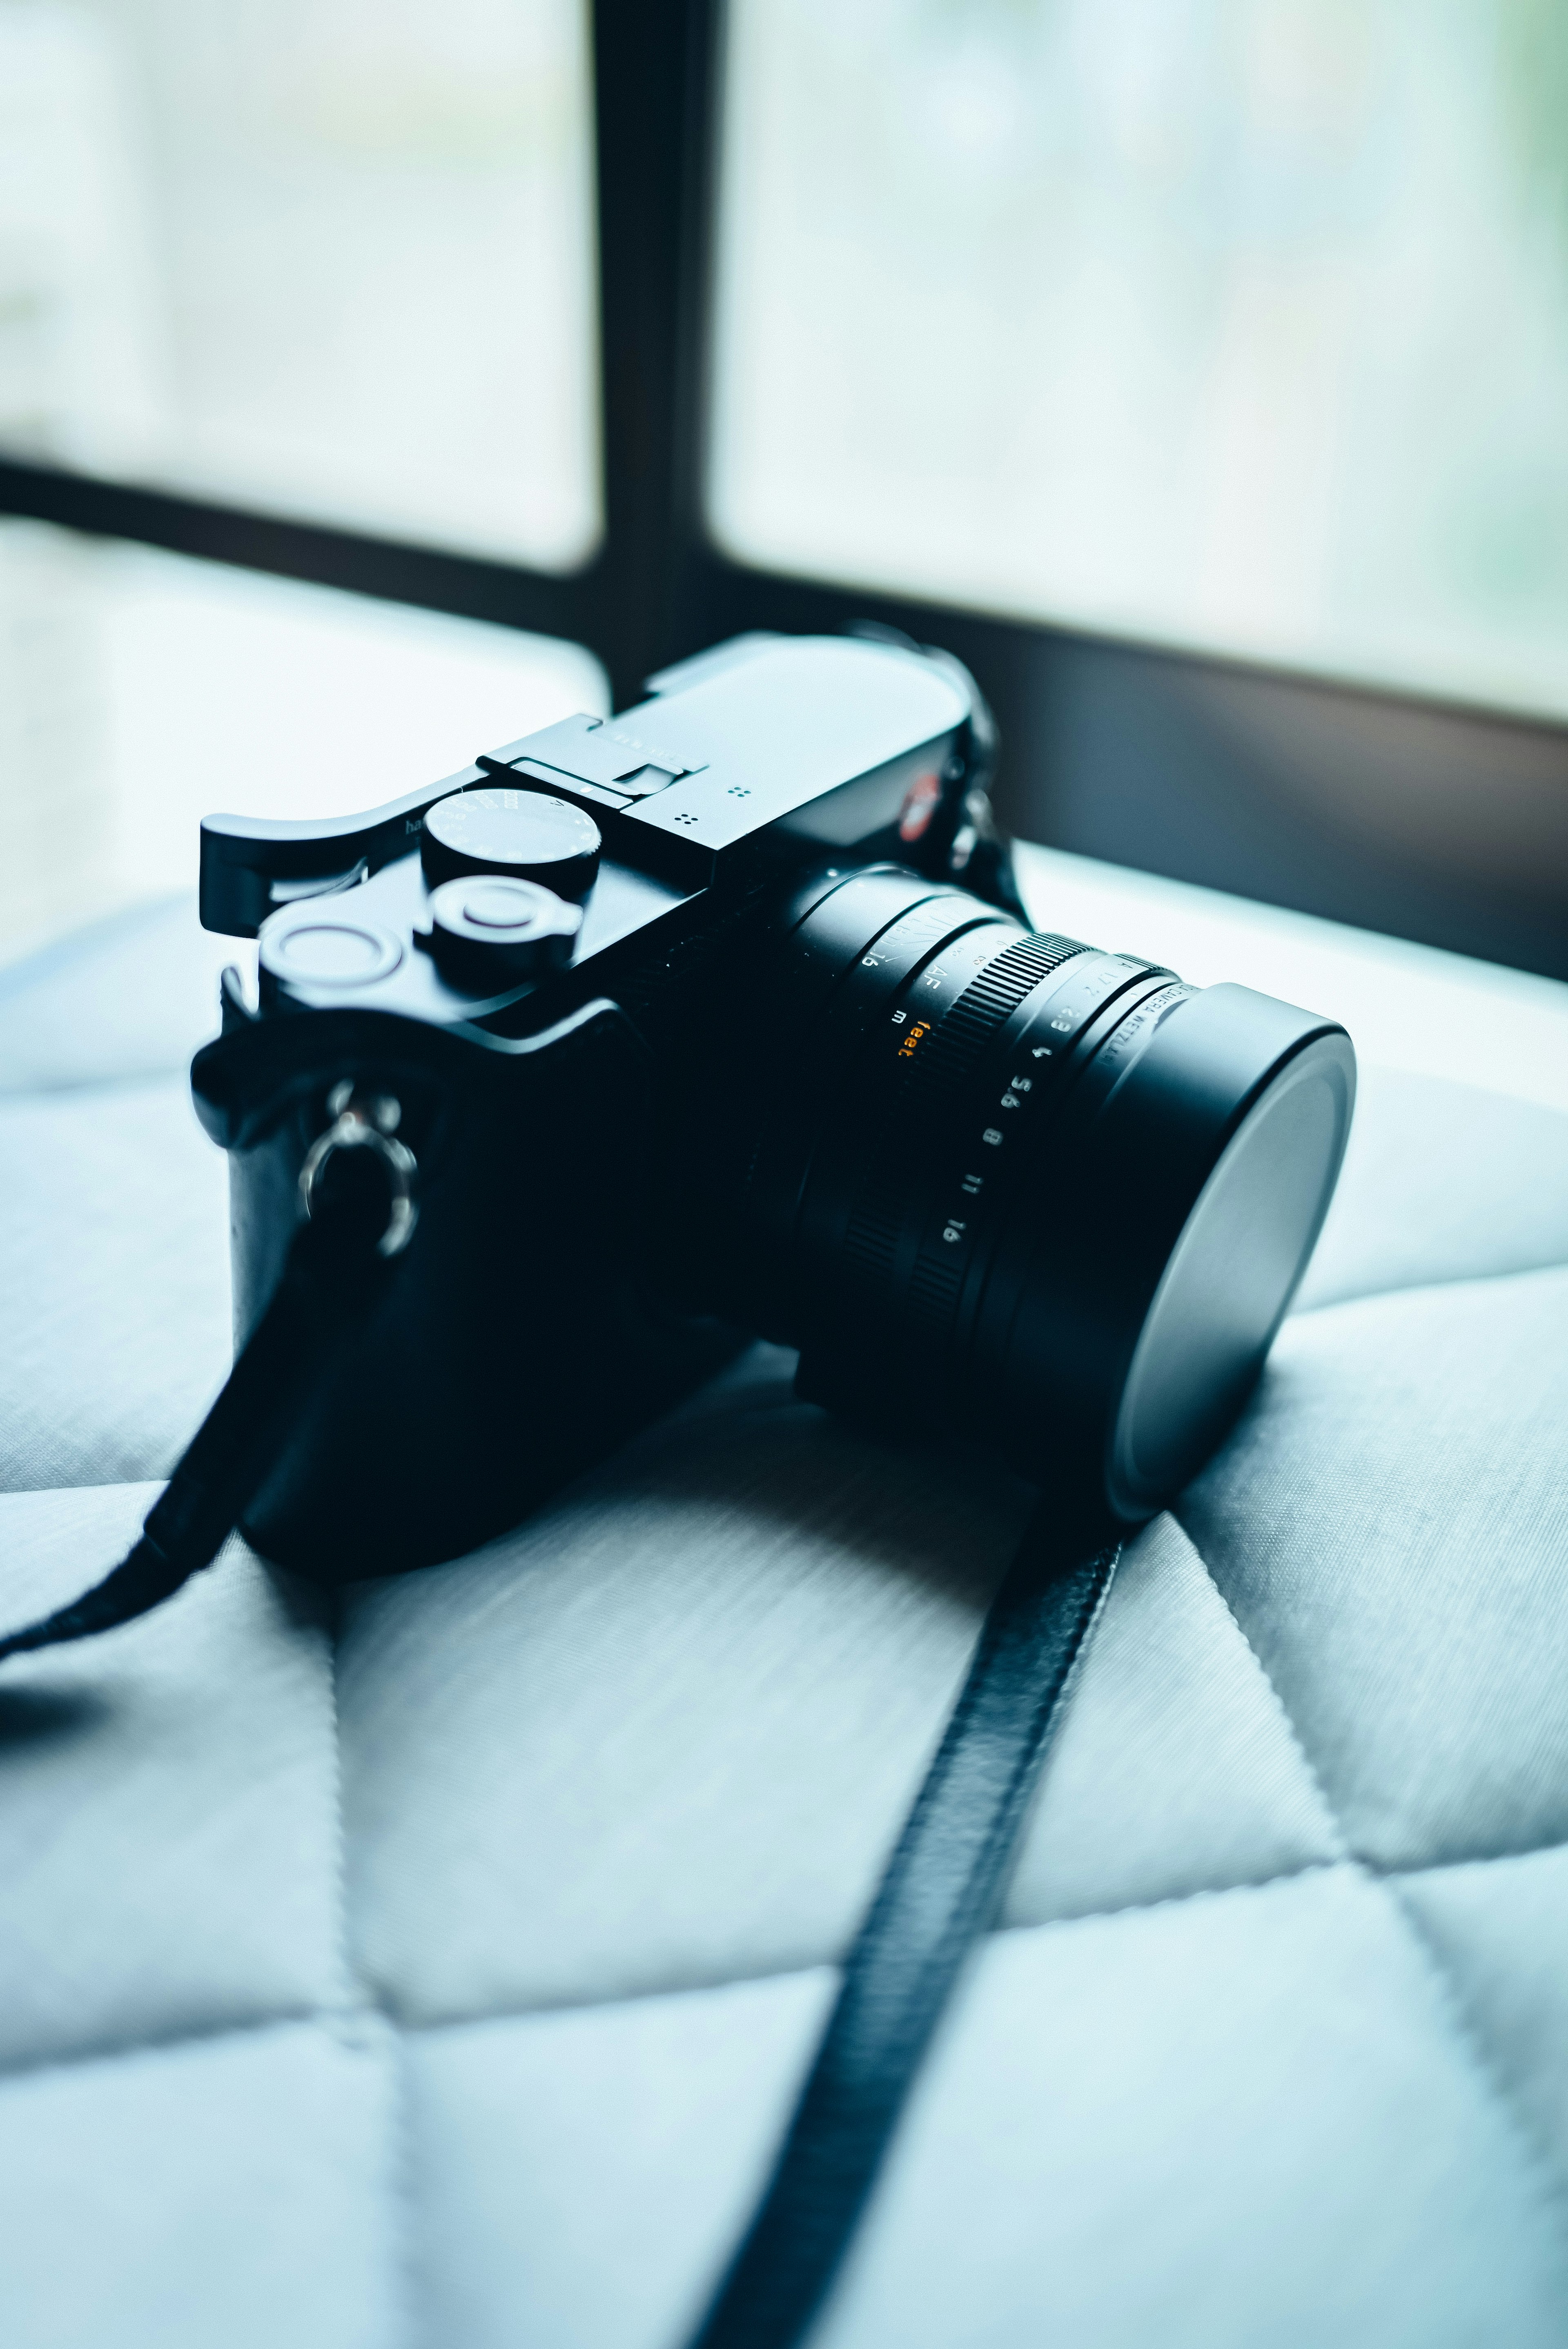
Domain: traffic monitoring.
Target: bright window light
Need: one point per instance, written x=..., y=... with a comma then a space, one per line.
x=1239, y=324
x=330, y=257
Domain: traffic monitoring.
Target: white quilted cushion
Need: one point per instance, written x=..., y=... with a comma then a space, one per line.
x=443, y=1973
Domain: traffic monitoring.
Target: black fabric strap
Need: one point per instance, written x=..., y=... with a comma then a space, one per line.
x=331, y=1280
x=939, y=1894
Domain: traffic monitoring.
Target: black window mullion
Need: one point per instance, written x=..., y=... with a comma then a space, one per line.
x=474, y=587
x=1442, y=824
x=655, y=98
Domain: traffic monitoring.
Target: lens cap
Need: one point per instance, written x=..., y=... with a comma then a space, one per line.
x=1165, y=1237
x=522, y=834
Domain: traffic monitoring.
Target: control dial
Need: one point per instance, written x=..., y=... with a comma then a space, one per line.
x=488, y=933
x=525, y=835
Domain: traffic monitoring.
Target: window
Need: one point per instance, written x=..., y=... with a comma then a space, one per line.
x=1197, y=370
x=140, y=690
x=1239, y=325
x=329, y=257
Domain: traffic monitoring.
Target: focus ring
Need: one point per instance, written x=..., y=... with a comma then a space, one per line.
x=1000, y=987
x=944, y=1062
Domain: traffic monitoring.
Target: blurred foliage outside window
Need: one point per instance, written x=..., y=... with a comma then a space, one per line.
x=1239, y=324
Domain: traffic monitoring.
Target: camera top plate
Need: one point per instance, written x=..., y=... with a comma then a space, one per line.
x=812, y=742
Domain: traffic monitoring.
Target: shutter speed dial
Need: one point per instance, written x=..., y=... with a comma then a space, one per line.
x=511, y=832
x=488, y=932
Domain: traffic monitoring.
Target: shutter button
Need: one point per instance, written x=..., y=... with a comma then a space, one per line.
x=486, y=934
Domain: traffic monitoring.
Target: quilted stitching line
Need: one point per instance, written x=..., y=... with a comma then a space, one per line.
x=1394, y=1876
x=1467, y=2036
x=176, y=2042
x=1315, y=1776
x=352, y=2019
x=359, y=2007
x=1164, y=1900
x=404, y=2207
x=349, y=1993
x=1066, y=1922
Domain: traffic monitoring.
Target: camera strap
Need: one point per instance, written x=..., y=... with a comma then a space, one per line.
x=938, y=1896
x=940, y=1890
x=338, y=1264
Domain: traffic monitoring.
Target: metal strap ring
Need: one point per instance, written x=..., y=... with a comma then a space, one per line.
x=354, y=1130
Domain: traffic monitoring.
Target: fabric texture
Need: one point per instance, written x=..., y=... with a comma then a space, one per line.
x=440, y=1967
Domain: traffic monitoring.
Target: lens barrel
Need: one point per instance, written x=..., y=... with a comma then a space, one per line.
x=1012, y=1185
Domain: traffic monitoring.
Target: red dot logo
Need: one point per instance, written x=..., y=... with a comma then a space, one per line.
x=920, y=805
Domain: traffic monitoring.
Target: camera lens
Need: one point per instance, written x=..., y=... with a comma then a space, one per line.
x=1018, y=1187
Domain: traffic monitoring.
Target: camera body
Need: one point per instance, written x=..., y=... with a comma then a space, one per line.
x=723, y=1017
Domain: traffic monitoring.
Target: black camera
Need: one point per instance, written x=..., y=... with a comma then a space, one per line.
x=723, y=1017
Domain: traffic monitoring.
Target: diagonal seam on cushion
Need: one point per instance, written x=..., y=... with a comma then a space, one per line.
x=1175, y=1767
x=400, y=2172
x=358, y=2004
x=1470, y=2041
x=1331, y=1814
x=174, y=2042
x=1473, y=2042
x=1388, y=1518
x=369, y=2010
x=352, y=1993
x=509, y=2011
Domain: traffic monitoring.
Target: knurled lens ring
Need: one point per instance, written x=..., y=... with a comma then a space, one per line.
x=945, y=1125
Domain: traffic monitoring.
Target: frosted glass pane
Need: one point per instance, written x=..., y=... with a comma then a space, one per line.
x=141, y=691
x=1236, y=324
x=333, y=257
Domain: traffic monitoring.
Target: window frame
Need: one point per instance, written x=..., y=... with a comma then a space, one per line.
x=1434, y=820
